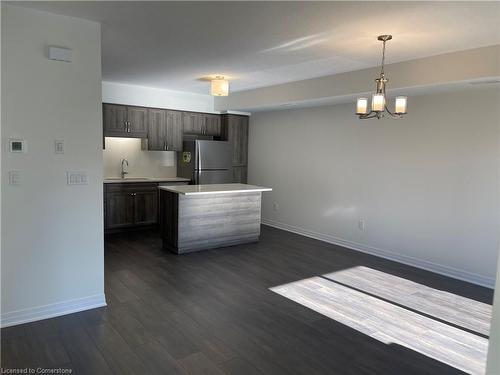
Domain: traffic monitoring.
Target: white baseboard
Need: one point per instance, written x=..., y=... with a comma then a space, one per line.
x=455, y=273
x=50, y=311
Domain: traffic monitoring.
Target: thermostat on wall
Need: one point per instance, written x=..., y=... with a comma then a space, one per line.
x=17, y=145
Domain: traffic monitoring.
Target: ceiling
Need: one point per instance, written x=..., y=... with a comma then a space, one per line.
x=174, y=44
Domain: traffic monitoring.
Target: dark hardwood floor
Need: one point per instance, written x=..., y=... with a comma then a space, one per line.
x=213, y=313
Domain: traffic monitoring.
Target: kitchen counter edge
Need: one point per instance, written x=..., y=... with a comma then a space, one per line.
x=146, y=179
x=214, y=189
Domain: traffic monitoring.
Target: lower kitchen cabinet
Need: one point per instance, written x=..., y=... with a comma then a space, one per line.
x=146, y=208
x=131, y=205
x=119, y=210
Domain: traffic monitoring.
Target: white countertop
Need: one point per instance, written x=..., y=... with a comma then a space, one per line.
x=214, y=189
x=118, y=180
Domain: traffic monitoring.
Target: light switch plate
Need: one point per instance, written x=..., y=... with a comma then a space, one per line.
x=77, y=178
x=59, y=147
x=14, y=177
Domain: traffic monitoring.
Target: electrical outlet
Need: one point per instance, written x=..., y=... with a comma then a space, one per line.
x=362, y=225
x=275, y=206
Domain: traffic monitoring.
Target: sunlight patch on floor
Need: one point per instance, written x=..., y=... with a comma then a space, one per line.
x=393, y=324
x=449, y=307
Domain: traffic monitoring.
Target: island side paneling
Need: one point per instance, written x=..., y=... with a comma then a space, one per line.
x=205, y=221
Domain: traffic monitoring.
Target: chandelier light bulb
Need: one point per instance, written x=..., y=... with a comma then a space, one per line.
x=378, y=102
x=400, y=105
x=362, y=106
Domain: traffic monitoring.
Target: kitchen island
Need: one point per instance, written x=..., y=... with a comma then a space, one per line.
x=200, y=217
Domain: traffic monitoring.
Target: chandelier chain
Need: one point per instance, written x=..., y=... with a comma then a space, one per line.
x=383, y=60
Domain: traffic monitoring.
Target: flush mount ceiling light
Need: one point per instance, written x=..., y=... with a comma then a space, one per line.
x=379, y=104
x=219, y=86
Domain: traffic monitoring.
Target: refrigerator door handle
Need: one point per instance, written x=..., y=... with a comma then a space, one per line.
x=198, y=149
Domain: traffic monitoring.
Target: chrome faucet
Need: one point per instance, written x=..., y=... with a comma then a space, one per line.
x=124, y=172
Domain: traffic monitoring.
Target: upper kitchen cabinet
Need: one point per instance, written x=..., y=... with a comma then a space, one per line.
x=193, y=123
x=213, y=125
x=125, y=121
x=164, y=130
x=174, y=130
x=235, y=131
x=137, y=118
x=157, y=130
x=114, y=118
x=201, y=123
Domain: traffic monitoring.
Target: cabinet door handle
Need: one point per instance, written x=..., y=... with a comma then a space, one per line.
x=165, y=145
x=128, y=130
x=125, y=125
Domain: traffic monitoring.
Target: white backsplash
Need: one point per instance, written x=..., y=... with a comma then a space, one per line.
x=141, y=163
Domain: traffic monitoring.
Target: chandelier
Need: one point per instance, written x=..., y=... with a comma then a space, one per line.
x=378, y=105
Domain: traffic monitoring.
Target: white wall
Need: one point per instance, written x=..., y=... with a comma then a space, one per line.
x=52, y=233
x=141, y=163
x=426, y=186
x=157, y=98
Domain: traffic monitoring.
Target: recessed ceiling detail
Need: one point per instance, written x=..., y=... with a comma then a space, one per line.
x=169, y=44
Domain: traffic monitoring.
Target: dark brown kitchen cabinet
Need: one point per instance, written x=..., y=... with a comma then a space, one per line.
x=164, y=130
x=130, y=205
x=193, y=123
x=125, y=121
x=235, y=131
x=146, y=208
x=119, y=210
x=137, y=118
x=157, y=130
x=212, y=125
x=174, y=130
x=114, y=118
x=240, y=175
x=201, y=123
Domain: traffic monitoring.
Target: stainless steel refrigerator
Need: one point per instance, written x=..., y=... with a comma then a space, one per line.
x=205, y=162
